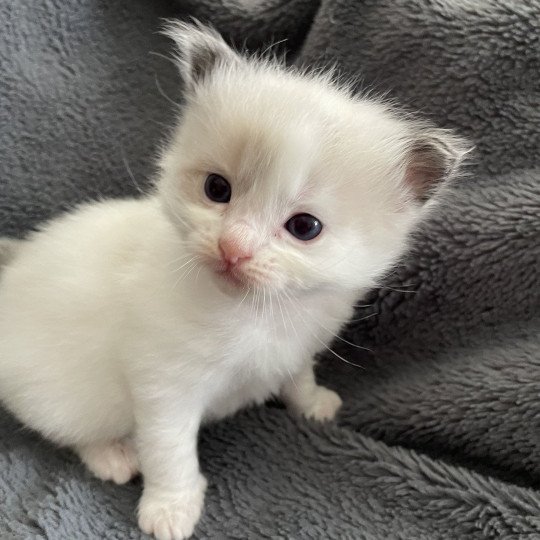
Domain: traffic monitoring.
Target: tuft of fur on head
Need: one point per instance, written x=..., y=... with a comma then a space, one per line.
x=290, y=142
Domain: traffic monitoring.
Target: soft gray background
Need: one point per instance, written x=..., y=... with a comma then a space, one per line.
x=440, y=433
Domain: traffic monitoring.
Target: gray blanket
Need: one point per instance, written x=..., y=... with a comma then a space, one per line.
x=440, y=433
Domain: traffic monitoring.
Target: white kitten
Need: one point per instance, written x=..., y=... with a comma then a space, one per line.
x=126, y=324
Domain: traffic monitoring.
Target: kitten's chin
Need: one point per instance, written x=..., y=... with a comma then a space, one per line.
x=228, y=283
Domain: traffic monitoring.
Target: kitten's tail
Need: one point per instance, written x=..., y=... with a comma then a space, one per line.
x=8, y=249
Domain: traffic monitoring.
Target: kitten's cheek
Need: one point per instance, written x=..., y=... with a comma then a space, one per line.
x=280, y=282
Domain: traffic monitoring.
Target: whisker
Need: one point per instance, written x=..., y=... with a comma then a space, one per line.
x=198, y=272
x=162, y=92
x=281, y=311
x=257, y=304
x=362, y=318
x=397, y=290
x=336, y=335
x=324, y=269
x=191, y=269
x=322, y=342
x=271, y=46
x=245, y=296
x=252, y=308
x=347, y=321
x=291, y=321
x=165, y=57
x=180, y=218
x=130, y=173
x=270, y=310
x=185, y=274
x=285, y=328
x=195, y=257
x=292, y=379
x=181, y=258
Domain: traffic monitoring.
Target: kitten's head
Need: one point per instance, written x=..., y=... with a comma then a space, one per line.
x=283, y=180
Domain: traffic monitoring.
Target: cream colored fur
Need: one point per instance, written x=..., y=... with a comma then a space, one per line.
x=118, y=338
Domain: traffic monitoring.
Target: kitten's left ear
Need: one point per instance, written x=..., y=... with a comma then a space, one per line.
x=199, y=51
x=433, y=158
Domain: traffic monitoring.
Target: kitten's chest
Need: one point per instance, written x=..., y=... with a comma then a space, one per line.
x=254, y=372
x=254, y=361
x=260, y=346
x=248, y=356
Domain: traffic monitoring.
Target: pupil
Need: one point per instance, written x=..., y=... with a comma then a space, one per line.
x=303, y=225
x=217, y=188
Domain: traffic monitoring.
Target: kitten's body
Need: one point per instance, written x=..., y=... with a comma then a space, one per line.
x=125, y=324
x=82, y=338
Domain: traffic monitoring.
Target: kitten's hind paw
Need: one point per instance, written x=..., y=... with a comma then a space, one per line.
x=116, y=460
x=322, y=405
x=171, y=516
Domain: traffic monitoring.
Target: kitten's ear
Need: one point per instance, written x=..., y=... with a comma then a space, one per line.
x=434, y=157
x=199, y=51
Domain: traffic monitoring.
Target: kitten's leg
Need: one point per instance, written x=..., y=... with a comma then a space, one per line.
x=303, y=395
x=174, y=488
x=115, y=460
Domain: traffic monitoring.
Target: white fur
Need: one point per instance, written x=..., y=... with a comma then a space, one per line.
x=115, y=328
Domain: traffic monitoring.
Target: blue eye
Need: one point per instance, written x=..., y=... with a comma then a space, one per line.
x=304, y=227
x=217, y=189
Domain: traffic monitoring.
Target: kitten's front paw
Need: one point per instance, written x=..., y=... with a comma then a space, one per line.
x=170, y=515
x=323, y=404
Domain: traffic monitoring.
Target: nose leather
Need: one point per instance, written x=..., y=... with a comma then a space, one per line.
x=233, y=250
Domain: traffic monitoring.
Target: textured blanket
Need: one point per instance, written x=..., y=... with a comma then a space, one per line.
x=440, y=433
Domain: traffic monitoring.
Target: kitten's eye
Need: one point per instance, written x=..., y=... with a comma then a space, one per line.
x=217, y=189
x=304, y=227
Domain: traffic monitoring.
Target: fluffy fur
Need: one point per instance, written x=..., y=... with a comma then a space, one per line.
x=119, y=336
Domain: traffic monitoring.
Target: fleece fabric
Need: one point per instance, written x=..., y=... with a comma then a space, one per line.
x=439, y=436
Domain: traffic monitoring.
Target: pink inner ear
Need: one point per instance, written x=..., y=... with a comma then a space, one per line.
x=425, y=172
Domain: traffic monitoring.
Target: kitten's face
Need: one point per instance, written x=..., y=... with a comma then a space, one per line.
x=283, y=182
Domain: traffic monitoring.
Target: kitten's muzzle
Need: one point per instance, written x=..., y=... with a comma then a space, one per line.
x=232, y=252
x=231, y=271
x=235, y=249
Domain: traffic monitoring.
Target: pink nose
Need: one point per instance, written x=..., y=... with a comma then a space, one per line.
x=232, y=251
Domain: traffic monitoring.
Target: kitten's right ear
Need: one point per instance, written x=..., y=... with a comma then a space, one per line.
x=199, y=51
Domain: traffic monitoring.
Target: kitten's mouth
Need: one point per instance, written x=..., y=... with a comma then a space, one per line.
x=231, y=276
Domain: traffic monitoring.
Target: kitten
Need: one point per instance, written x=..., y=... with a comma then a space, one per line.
x=281, y=198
